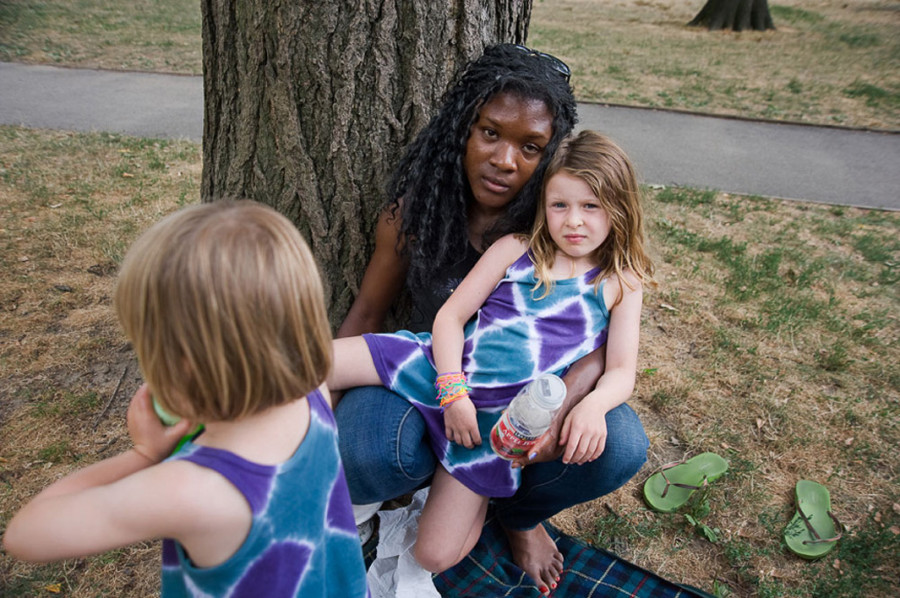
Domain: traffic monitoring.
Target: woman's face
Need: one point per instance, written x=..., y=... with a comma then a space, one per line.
x=506, y=144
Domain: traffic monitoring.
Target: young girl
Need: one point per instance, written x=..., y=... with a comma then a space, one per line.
x=541, y=305
x=224, y=306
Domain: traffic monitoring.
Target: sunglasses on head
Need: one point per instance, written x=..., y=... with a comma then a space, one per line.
x=555, y=63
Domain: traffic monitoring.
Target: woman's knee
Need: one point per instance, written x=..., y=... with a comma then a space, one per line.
x=381, y=440
x=626, y=443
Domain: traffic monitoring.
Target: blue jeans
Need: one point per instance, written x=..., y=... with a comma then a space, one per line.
x=386, y=454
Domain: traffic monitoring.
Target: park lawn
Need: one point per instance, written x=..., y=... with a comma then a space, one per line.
x=834, y=62
x=772, y=340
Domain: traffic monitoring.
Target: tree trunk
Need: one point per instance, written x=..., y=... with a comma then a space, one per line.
x=308, y=105
x=737, y=15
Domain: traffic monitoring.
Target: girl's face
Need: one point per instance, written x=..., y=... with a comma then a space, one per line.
x=505, y=146
x=576, y=221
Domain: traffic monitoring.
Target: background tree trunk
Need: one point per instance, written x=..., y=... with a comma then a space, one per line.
x=735, y=14
x=308, y=105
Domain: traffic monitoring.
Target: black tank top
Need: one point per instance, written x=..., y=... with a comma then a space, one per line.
x=427, y=300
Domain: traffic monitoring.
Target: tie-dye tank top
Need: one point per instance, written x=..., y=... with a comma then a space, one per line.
x=303, y=539
x=512, y=339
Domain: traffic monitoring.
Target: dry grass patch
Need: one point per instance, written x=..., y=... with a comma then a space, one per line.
x=70, y=205
x=140, y=35
x=773, y=340
x=828, y=62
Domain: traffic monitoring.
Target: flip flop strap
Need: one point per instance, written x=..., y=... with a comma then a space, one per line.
x=662, y=472
x=818, y=539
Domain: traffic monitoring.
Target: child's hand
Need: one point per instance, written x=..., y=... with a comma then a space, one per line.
x=583, y=434
x=151, y=438
x=461, y=423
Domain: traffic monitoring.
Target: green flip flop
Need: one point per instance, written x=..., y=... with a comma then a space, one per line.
x=814, y=530
x=672, y=486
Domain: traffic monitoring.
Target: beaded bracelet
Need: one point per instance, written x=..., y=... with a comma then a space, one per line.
x=451, y=387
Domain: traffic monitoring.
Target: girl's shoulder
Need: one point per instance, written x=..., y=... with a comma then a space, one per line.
x=624, y=286
x=513, y=245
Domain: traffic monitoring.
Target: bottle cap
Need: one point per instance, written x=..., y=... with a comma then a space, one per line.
x=548, y=391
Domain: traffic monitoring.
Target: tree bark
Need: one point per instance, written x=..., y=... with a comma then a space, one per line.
x=308, y=105
x=737, y=15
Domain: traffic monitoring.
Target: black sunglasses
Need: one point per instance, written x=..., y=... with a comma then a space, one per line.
x=555, y=63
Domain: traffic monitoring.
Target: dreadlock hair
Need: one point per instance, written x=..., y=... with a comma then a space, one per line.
x=430, y=189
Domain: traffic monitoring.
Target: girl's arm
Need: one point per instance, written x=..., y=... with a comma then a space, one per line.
x=584, y=429
x=381, y=284
x=98, y=508
x=580, y=379
x=447, y=343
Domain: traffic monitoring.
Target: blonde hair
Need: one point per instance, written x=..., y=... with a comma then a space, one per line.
x=223, y=303
x=604, y=167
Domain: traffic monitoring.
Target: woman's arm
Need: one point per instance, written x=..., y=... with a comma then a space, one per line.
x=384, y=277
x=99, y=507
x=584, y=430
x=448, y=336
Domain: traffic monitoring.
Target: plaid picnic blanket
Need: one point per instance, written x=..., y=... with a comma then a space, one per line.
x=589, y=572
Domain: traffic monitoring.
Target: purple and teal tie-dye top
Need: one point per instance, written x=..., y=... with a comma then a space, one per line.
x=303, y=539
x=514, y=337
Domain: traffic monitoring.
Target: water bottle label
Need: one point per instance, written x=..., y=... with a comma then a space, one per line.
x=508, y=443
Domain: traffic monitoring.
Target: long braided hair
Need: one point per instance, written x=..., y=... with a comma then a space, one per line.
x=429, y=188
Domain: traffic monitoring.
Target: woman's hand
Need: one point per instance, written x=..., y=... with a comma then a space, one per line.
x=546, y=447
x=583, y=432
x=461, y=423
x=152, y=440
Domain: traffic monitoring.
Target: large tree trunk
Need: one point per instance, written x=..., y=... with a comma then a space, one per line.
x=308, y=105
x=735, y=14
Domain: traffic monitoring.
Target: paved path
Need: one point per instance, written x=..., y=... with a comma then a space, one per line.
x=822, y=164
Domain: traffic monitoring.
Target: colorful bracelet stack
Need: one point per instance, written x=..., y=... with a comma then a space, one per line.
x=451, y=387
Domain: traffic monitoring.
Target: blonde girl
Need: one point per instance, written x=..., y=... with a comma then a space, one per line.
x=223, y=304
x=539, y=304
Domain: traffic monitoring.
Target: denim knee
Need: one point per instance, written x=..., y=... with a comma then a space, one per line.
x=383, y=445
x=548, y=488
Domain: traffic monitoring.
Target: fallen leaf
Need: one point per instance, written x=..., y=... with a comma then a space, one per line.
x=127, y=175
x=24, y=258
x=895, y=530
x=668, y=307
x=896, y=508
x=53, y=206
x=759, y=423
x=54, y=588
x=849, y=441
x=877, y=517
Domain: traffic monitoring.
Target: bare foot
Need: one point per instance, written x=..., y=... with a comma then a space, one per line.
x=534, y=551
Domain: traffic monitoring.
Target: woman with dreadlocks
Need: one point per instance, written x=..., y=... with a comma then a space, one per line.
x=471, y=176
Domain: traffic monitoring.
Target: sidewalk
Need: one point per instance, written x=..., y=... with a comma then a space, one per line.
x=821, y=164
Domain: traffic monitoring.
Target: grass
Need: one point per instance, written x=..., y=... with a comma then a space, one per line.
x=145, y=35
x=773, y=338
x=829, y=62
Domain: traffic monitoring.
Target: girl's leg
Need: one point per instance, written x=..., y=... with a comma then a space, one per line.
x=353, y=364
x=548, y=488
x=450, y=524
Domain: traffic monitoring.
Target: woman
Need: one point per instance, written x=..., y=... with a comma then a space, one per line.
x=471, y=176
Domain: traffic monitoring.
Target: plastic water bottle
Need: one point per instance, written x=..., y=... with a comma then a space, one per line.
x=528, y=416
